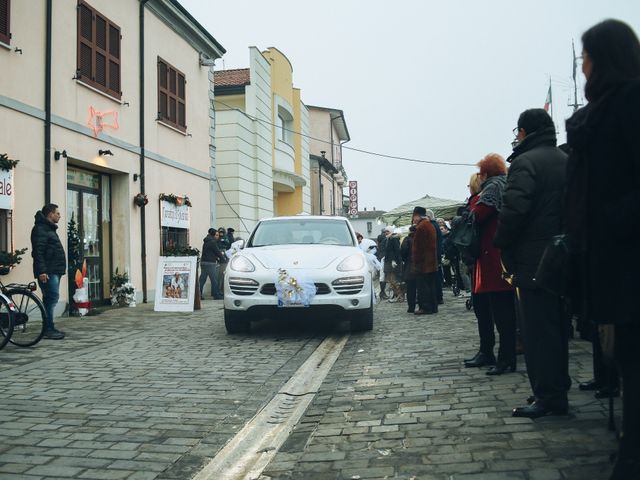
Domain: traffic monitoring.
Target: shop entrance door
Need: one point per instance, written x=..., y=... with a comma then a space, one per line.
x=84, y=207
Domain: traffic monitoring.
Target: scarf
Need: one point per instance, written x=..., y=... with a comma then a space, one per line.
x=492, y=191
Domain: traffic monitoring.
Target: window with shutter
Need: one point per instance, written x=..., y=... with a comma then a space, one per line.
x=171, y=96
x=5, y=17
x=98, y=51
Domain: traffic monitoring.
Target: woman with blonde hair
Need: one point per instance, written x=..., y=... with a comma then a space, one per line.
x=493, y=297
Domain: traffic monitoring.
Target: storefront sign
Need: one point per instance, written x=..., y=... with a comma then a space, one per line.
x=175, y=284
x=6, y=190
x=173, y=215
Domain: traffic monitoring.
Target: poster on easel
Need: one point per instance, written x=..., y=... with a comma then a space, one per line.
x=175, y=284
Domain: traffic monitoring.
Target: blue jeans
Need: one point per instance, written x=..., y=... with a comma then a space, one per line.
x=50, y=296
x=209, y=269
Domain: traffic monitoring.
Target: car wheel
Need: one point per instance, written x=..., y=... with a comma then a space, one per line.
x=364, y=319
x=236, y=322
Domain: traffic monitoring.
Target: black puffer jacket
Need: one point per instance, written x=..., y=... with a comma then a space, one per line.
x=211, y=251
x=604, y=184
x=532, y=208
x=46, y=248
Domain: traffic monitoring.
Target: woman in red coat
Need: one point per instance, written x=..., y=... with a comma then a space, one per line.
x=493, y=300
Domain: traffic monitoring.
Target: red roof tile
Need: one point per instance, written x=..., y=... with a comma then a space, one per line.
x=232, y=78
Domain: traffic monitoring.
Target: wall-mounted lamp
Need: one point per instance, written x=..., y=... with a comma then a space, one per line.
x=136, y=176
x=105, y=153
x=206, y=61
x=57, y=154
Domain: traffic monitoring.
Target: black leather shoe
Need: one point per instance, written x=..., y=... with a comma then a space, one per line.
x=607, y=392
x=501, y=368
x=589, y=386
x=537, y=410
x=472, y=359
x=481, y=360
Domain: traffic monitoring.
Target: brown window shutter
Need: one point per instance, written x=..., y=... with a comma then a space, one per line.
x=98, y=50
x=5, y=21
x=171, y=93
x=85, y=21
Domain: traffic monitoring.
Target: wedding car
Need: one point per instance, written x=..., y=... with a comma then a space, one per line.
x=297, y=266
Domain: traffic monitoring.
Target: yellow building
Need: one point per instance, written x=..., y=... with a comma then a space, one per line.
x=261, y=161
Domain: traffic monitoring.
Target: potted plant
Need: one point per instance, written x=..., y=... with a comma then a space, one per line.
x=140, y=200
x=123, y=293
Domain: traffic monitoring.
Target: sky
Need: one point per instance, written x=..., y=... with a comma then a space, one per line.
x=429, y=80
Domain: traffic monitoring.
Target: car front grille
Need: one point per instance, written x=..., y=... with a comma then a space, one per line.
x=270, y=289
x=243, y=286
x=348, y=285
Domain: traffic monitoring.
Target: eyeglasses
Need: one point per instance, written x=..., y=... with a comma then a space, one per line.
x=515, y=131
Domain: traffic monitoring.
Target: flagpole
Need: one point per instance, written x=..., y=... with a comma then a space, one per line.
x=551, y=97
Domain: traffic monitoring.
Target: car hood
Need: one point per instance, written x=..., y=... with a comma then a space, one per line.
x=300, y=256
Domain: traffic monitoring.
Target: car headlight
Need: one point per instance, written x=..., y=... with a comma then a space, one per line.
x=353, y=262
x=240, y=263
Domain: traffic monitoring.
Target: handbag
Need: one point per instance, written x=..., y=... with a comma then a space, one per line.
x=466, y=236
x=554, y=270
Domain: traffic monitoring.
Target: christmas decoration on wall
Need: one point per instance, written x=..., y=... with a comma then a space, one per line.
x=175, y=199
x=96, y=121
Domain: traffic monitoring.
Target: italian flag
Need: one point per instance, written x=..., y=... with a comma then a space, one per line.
x=547, y=102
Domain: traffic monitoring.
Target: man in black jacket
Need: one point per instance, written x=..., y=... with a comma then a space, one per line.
x=209, y=263
x=49, y=263
x=530, y=217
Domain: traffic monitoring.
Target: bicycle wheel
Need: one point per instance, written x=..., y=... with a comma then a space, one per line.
x=29, y=318
x=6, y=323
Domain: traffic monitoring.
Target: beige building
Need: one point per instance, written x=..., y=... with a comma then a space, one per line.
x=328, y=177
x=111, y=99
x=262, y=161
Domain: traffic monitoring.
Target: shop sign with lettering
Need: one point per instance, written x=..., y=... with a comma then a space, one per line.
x=6, y=190
x=172, y=215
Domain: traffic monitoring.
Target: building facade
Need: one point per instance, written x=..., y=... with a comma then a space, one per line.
x=118, y=105
x=262, y=161
x=328, y=176
x=368, y=223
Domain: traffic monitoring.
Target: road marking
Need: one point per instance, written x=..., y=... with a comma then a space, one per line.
x=250, y=451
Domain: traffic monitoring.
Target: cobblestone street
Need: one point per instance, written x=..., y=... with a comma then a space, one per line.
x=136, y=394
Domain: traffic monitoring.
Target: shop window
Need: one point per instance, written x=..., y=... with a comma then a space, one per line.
x=5, y=17
x=6, y=244
x=174, y=238
x=171, y=96
x=98, y=51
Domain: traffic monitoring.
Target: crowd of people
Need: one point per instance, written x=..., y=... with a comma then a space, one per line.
x=539, y=253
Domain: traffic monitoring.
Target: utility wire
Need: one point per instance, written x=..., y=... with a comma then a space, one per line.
x=230, y=206
x=359, y=150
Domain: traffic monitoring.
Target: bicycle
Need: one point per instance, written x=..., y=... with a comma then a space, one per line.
x=22, y=314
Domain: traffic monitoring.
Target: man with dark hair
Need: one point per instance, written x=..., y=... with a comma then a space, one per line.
x=211, y=256
x=531, y=215
x=49, y=263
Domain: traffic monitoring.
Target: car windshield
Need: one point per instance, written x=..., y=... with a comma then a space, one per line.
x=302, y=232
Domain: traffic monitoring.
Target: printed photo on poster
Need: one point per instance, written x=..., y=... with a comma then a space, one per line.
x=175, y=287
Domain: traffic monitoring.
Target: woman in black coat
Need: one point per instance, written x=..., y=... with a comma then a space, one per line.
x=603, y=178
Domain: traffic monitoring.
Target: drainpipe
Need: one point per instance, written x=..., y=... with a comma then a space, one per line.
x=47, y=104
x=143, y=217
